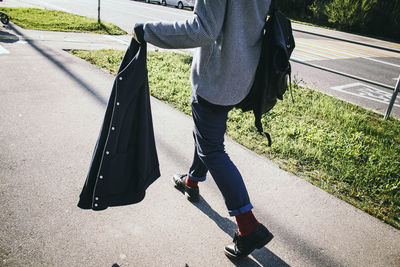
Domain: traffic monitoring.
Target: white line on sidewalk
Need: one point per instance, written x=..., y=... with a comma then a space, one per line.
x=117, y=39
x=3, y=50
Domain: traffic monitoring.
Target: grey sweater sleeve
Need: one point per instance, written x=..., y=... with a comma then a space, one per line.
x=202, y=29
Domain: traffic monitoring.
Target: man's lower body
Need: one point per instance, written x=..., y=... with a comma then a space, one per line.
x=210, y=156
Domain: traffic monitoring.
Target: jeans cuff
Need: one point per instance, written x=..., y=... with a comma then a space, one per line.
x=240, y=210
x=197, y=179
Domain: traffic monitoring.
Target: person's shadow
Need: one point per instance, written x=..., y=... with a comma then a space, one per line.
x=263, y=257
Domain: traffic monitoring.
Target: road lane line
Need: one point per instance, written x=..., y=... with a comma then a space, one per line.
x=300, y=58
x=346, y=48
x=391, y=46
x=317, y=56
x=342, y=73
x=334, y=55
x=383, y=62
x=346, y=52
x=328, y=47
x=341, y=87
x=340, y=53
x=306, y=56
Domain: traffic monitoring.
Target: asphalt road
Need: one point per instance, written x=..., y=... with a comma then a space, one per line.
x=365, y=62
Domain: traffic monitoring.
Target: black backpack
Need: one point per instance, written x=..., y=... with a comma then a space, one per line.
x=273, y=70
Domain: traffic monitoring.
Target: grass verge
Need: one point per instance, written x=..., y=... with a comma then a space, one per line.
x=53, y=20
x=344, y=149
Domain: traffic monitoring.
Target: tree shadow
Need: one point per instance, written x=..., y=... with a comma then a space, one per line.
x=104, y=27
x=61, y=66
x=263, y=256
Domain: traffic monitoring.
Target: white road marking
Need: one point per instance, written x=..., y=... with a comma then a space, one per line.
x=304, y=57
x=367, y=92
x=319, y=54
x=299, y=58
x=318, y=49
x=339, y=48
x=3, y=50
x=117, y=39
x=383, y=62
x=336, y=52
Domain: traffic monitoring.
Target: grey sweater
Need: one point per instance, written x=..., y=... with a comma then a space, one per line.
x=228, y=34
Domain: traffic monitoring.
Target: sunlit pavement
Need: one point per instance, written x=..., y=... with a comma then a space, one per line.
x=52, y=107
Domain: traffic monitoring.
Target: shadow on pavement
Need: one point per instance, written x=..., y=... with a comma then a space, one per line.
x=6, y=37
x=105, y=28
x=263, y=257
x=90, y=90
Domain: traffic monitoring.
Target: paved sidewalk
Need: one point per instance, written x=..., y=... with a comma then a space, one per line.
x=72, y=40
x=52, y=106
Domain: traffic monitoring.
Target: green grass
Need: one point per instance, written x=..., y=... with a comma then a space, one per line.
x=344, y=149
x=52, y=20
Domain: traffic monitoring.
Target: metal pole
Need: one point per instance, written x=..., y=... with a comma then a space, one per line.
x=98, y=12
x=396, y=91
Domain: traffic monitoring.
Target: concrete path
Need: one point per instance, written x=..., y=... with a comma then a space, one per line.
x=52, y=105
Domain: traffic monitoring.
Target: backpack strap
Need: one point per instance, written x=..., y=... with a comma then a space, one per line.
x=257, y=122
x=257, y=114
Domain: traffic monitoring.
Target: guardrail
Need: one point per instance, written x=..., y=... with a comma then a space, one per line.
x=349, y=41
x=396, y=89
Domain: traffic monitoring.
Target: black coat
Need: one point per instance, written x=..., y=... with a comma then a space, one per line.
x=124, y=161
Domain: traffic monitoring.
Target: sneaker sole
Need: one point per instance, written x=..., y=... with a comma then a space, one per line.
x=230, y=255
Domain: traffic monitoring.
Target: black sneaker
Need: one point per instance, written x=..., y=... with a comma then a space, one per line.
x=191, y=193
x=244, y=245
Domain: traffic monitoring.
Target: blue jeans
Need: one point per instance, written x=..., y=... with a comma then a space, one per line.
x=209, y=155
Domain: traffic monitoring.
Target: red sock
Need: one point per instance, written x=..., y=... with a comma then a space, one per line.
x=246, y=222
x=191, y=183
